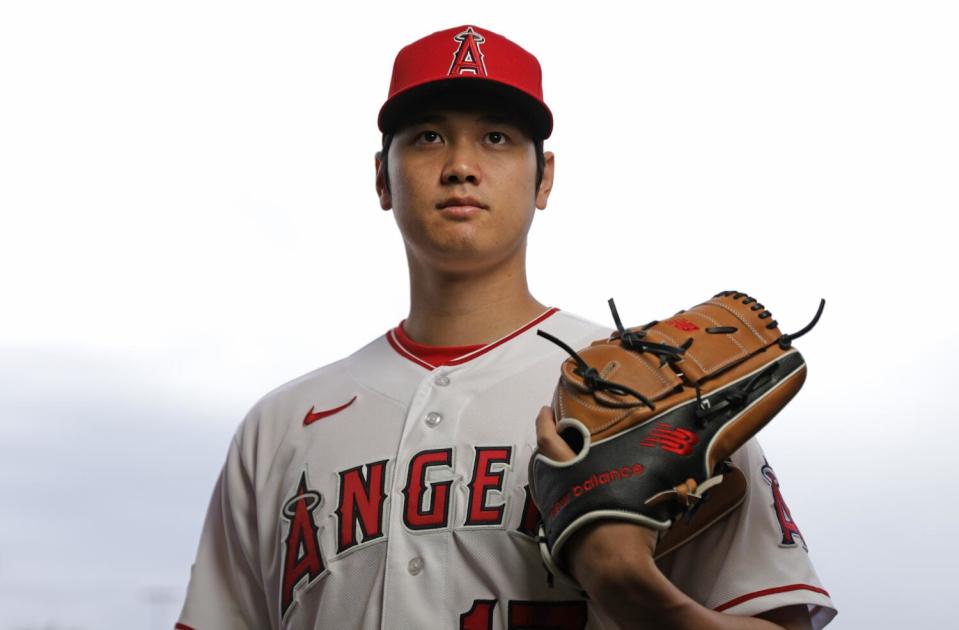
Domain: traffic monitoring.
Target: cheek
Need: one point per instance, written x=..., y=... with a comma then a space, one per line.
x=410, y=181
x=525, y=172
x=519, y=178
x=412, y=198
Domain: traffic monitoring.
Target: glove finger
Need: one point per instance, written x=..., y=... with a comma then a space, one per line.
x=548, y=440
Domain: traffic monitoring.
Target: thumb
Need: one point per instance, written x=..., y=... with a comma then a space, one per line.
x=548, y=440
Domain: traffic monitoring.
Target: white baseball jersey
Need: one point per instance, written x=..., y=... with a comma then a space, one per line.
x=382, y=491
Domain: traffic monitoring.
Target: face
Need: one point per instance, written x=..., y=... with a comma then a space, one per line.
x=462, y=188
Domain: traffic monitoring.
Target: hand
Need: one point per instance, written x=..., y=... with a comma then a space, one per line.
x=605, y=539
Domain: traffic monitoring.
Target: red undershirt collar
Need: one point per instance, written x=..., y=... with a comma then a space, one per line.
x=431, y=357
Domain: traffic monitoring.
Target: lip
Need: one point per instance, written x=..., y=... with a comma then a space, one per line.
x=461, y=208
x=461, y=203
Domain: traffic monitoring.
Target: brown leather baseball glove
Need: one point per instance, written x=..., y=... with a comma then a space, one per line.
x=653, y=413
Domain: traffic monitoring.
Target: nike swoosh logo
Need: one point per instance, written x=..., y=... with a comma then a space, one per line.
x=313, y=416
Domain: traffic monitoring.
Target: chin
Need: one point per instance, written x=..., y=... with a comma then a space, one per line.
x=465, y=250
x=466, y=257
x=455, y=238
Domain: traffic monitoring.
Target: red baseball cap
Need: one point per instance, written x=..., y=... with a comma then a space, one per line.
x=463, y=61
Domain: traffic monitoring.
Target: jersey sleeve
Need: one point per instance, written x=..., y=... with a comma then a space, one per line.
x=226, y=588
x=756, y=559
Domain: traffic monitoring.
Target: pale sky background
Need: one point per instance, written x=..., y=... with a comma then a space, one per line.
x=187, y=220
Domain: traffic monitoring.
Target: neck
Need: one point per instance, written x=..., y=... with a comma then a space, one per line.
x=467, y=308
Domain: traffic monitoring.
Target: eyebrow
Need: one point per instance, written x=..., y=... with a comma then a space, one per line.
x=497, y=119
x=427, y=118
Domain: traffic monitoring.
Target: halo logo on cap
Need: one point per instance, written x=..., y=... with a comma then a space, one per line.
x=468, y=58
x=461, y=63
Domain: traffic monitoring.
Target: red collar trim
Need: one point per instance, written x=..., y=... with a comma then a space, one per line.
x=419, y=353
x=433, y=356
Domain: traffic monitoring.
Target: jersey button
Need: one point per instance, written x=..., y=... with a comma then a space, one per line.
x=415, y=566
x=433, y=419
x=442, y=380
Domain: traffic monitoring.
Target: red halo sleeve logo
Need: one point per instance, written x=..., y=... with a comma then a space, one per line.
x=791, y=536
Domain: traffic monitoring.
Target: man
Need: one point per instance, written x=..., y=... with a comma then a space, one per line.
x=389, y=489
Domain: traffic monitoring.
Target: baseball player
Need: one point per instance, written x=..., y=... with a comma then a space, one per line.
x=389, y=489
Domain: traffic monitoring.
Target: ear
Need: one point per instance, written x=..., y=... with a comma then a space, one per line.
x=386, y=200
x=545, y=186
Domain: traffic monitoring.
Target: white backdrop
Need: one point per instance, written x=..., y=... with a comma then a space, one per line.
x=188, y=220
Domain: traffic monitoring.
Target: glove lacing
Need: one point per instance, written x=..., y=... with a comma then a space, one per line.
x=784, y=341
x=590, y=375
x=734, y=397
x=635, y=340
x=739, y=394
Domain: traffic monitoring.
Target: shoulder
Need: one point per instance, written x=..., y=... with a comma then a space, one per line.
x=325, y=378
x=571, y=327
x=327, y=387
x=525, y=349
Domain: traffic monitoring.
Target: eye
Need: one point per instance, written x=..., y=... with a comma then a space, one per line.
x=429, y=137
x=496, y=137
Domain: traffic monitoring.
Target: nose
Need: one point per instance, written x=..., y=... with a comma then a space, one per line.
x=461, y=165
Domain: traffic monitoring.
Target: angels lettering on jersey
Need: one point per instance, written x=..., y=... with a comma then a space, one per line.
x=360, y=514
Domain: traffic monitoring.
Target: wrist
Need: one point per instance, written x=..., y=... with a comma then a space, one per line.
x=608, y=548
x=613, y=562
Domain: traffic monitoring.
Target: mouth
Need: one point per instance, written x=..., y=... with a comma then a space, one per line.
x=462, y=202
x=461, y=208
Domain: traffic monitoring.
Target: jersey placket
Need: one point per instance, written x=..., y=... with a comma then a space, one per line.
x=423, y=493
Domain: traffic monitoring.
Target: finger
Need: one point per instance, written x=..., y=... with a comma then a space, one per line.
x=548, y=440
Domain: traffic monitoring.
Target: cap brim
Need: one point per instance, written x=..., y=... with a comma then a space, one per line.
x=465, y=90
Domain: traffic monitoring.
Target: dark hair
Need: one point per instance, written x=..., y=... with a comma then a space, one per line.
x=388, y=140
